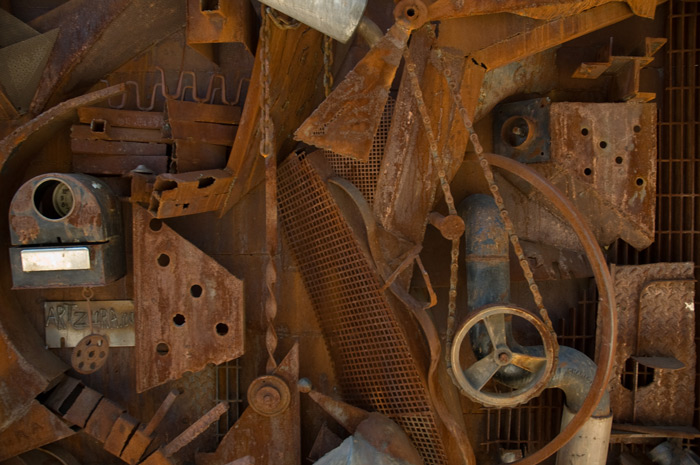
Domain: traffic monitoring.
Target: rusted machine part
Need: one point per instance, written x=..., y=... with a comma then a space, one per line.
x=473, y=378
x=521, y=130
x=181, y=295
x=370, y=357
x=90, y=354
x=65, y=231
x=268, y=395
x=118, y=141
x=602, y=156
x=33, y=368
x=451, y=227
x=222, y=21
x=347, y=120
x=271, y=437
x=544, y=9
x=39, y=426
x=93, y=40
x=607, y=319
x=625, y=69
x=203, y=134
x=656, y=318
x=189, y=193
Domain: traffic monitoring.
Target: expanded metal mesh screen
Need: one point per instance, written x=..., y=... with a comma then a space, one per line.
x=374, y=365
x=364, y=175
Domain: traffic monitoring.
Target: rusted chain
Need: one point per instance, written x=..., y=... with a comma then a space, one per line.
x=281, y=22
x=327, y=65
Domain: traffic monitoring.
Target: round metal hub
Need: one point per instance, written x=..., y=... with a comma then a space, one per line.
x=269, y=395
x=90, y=354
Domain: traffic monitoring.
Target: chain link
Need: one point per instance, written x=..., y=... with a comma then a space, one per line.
x=449, y=200
x=327, y=64
x=281, y=22
x=444, y=184
x=495, y=192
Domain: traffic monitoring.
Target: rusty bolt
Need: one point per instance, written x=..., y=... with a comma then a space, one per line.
x=503, y=357
x=451, y=227
x=269, y=397
x=304, y=385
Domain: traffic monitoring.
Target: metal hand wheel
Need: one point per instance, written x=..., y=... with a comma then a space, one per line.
x=473, y=379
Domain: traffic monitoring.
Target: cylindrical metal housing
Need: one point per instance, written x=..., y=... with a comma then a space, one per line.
x=335, y=18
x=590, y=444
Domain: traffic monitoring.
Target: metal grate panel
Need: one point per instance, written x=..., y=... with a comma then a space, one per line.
x=374, y=365
x=677, y=237
x=364, y=175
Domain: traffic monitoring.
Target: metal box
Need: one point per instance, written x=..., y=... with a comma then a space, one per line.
x=65, y=231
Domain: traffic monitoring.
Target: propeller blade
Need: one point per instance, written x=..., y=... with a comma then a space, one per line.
x=347, y=121
x=531, y=363
x=481, y=372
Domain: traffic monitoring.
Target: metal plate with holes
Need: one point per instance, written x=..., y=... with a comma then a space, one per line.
x=58, y=259
x=189, y=308
x=66, y=322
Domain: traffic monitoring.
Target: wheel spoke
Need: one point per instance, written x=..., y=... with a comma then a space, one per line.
x=531, y=363
x=496, y=327
x=481, y=372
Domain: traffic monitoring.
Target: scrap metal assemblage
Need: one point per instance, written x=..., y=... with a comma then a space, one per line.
x=387, y=231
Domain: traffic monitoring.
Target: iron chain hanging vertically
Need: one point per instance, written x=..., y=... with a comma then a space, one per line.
x=268, y=152
x=327, y=65
x=449, y=200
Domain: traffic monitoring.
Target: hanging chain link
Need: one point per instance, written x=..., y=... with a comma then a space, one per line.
x=444, y=184
x=267, y=151
x=280, y=21
x=327, y=64
x=88, y=294
x=495, y=192
x=449, y=200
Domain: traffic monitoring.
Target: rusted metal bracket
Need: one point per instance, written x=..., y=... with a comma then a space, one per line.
x=347, y=121
x=189, y=309
x=624, y=69
x=220, y=21
x=269, y=430
x=189, y=193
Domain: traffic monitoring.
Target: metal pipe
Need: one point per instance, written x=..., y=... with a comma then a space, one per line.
x=488, y=282
x=335, y=18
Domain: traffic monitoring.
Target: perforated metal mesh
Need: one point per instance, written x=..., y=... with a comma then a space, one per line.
x=364, y=175
x=374, y=364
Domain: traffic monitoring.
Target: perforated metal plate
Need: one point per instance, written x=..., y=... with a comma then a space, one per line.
x=374, y=364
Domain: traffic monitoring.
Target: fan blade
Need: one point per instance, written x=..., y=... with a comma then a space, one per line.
x=347, y=121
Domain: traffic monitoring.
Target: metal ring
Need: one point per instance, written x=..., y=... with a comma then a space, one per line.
x=502, y=355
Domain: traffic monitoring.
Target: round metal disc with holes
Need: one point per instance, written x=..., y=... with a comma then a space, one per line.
x=90, y=354
x=269, y=395
x=472, y=380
